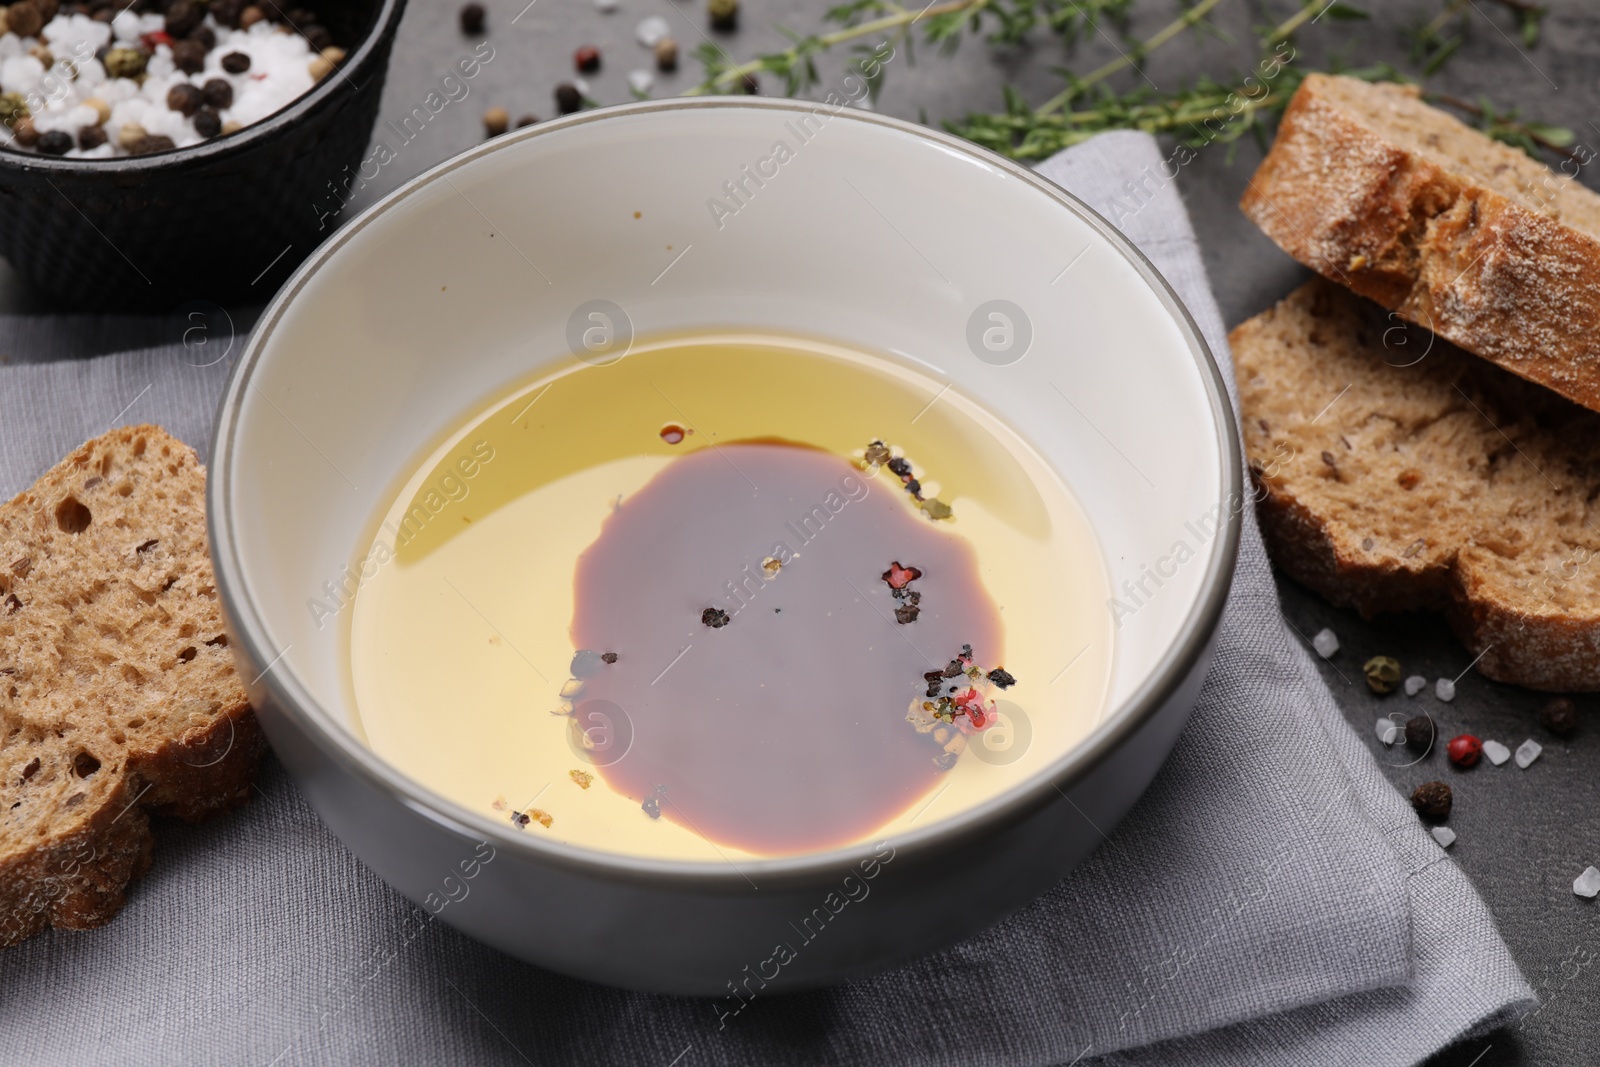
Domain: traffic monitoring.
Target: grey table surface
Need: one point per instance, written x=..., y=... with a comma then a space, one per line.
x=1523, y=834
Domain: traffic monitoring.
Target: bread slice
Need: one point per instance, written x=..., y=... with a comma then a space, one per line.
x=1396, y=472
x=118, y=694
x=1466, y=236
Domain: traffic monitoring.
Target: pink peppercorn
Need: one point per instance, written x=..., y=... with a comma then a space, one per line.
x=1464, y=750
x=586, y=59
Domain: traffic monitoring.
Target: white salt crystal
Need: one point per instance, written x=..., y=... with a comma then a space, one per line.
x=1415, y=684
x=1326, y=643
x=1496, y=752
x=1390, y=731
x=1444, y=835
x=1587, y=884
x=1528, y=751
x=605, y=7
x=1445, y=690
x=125, y=26
x=640, y=81
x=577, y=83
x=651, y=30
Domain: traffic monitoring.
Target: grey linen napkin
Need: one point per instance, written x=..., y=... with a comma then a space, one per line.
x=1271, y=899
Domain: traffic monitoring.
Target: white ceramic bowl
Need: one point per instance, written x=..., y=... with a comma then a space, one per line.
x=870, y=231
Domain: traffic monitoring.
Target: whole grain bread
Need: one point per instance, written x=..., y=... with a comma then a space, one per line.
x=1396, y=472
x=1471, y=238
x=118, y=694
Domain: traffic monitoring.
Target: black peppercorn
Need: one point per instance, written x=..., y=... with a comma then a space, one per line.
x=183, y=16
x=205, y=35
x=568, y=99
x=749, y=85
x=185, y=98
x=227, y=12
x=236, y=62
x=218, y=93
x=898, y=465
x=189, y=56
x=207, y=123
x=913, y=486
x=472, y=18
x=151, y=143
x=55, y=143
x=1419, y=733
x=1432, y=800
x=527, y=120
x=91, y=137
x=317, y=36
x=1002, y=678
x=715, y=618
x=608, y=657
x=1560, y=716
x=906, y=613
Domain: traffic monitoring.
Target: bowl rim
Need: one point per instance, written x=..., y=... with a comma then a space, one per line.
x=291, y=700
x=326, y=92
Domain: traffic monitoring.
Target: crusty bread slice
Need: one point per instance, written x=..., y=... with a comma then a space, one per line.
x=118, y=694
x=1396, y=472
x=1371, y=187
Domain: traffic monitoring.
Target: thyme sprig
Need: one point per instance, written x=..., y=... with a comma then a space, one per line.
x=1435, y=41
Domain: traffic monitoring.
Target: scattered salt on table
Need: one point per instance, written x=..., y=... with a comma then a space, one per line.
x=1444, y=835
x=1528, y=751
x=1496, y=752
x=640, y=81
x=1587, y=884
x=1415, y=684
x=1445, y=690
x=1326, y=643
x=1390, y=731
x=651, y=30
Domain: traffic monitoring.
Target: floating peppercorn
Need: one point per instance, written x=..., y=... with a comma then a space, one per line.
x=666, y=51
x=608, y=657
x=472, y=19
x=125, y=62
x=899, y=465
x=207, y=123
x=183, y=16
x=189, y=56
x=495, y=121
x=218, y=93
x=1560, y=716
x=24, y=18
x=877, y=454
x=1464, y=750
x=652, y=803
x=91, y=137
x=151, y=143
x=1002, y=678
x=236, y=62
x=715, y=618
x=586, y=59
x=724, y=14
x=55, y=143
x=936, y=509
x=568, y=99
x=519, y=820
x=1419, y=733
x=906, y=613
x=185, y=98
x=1383, y=674
x=1432, y=800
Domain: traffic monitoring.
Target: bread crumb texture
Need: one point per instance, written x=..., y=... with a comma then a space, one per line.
x=1396, y=472
x=1471, y=238
x=118, y=693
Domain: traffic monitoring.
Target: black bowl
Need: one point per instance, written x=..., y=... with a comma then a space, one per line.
x=222, y=221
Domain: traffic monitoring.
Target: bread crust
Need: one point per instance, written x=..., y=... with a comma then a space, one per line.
x=1497, y=274
x=121, y=698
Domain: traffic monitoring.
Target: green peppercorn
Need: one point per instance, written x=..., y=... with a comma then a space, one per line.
x=13, y=106
x=1383, y=673
x=724, y=14
x=125, y=62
